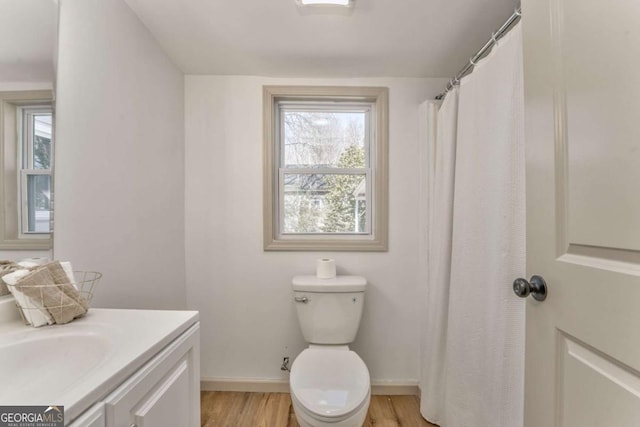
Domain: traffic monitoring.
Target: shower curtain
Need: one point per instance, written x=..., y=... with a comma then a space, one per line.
x=473, y=326
x=442, y=150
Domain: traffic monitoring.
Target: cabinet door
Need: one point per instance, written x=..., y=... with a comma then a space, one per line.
x=168, y=404
x=92, y=417
x=163, y=393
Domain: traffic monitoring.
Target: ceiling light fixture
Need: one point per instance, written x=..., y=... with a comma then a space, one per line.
x=345, y=3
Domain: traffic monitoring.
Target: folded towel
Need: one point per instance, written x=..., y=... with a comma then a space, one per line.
x=28, y=264
x=66, y=266
x=34, y=312
x=61, y=277
x=62, y=301
x=68, y=269
x=35, y=260
x=6, y=267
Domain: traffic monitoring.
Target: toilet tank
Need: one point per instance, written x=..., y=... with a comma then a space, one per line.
x=329, y=310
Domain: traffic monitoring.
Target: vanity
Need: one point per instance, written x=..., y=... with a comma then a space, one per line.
x=109, y=368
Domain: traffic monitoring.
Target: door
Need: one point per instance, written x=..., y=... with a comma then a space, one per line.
x=582, y=107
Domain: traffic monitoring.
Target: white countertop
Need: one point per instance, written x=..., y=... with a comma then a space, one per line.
x=102, y=349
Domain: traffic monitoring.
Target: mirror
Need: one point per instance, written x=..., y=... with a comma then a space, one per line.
x=28, y=50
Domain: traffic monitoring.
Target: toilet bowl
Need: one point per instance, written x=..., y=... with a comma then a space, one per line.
x=329, y=383
x=330, y=387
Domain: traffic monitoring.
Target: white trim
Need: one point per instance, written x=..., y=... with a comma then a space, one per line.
x=393, y=388
x=260, y=385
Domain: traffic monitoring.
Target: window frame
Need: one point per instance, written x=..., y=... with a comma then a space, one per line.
x=26, y=120
x=24, y=201
x=322, y=106
x=11, y=130
x=26, y=116
x=376, y=167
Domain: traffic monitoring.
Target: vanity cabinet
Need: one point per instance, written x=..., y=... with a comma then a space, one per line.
x=163, y=392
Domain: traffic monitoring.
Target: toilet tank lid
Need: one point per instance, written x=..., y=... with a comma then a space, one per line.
x=337, y=284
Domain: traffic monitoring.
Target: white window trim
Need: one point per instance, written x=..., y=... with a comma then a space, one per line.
x=376, y=169
x=10, y=131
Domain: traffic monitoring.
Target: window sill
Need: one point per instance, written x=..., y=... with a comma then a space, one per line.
x=26, y=244
x=334, y=245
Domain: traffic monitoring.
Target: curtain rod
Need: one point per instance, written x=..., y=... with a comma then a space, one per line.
x=488, y=45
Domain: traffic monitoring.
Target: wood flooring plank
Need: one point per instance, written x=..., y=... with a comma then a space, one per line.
x=215, y=407
x=407, y=410
x=367, y=421
x=276, y=410
x=237, y=409
x=293, y=421
x=251, y=413
x=382, y=412
x=206, y=407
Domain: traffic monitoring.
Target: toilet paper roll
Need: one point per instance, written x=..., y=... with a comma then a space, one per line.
x=326, y=268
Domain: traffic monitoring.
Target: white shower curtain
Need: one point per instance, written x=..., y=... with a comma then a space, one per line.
x=442, y=150
x=473, y=339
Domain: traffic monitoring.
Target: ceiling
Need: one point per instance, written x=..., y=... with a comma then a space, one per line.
x=400, y=38
x=27, y=39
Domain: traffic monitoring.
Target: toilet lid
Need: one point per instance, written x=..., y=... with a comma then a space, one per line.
x=329, y=382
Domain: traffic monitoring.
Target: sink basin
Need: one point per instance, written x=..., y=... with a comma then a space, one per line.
x=39, y=364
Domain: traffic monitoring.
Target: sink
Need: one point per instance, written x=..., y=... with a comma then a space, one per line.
x=77, y=364
x=44, y=363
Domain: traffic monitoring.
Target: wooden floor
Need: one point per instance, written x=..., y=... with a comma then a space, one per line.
x=236, y=409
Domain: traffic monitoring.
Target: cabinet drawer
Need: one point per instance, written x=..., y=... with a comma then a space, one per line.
x=164, y=392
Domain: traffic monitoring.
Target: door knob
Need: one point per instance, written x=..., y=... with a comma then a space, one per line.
x=537, y=287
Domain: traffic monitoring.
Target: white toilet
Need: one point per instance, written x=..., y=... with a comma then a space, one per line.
x=329, y=383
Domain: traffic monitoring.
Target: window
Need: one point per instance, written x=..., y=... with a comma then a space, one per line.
x=26, y=156
x=35, y=175
x=325, y=176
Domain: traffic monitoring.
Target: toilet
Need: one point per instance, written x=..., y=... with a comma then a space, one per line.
x=329, y=383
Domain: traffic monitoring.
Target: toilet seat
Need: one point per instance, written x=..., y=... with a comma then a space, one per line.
x=331, y=383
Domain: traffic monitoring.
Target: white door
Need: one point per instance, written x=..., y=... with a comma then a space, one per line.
x=582, y=107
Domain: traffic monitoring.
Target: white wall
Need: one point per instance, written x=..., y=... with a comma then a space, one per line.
x=244, y=293
x=27, y=61
x=119, y=172
x=28, y=30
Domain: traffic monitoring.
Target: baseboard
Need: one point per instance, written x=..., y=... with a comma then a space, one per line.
x=392, y=388
x=256, y=385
